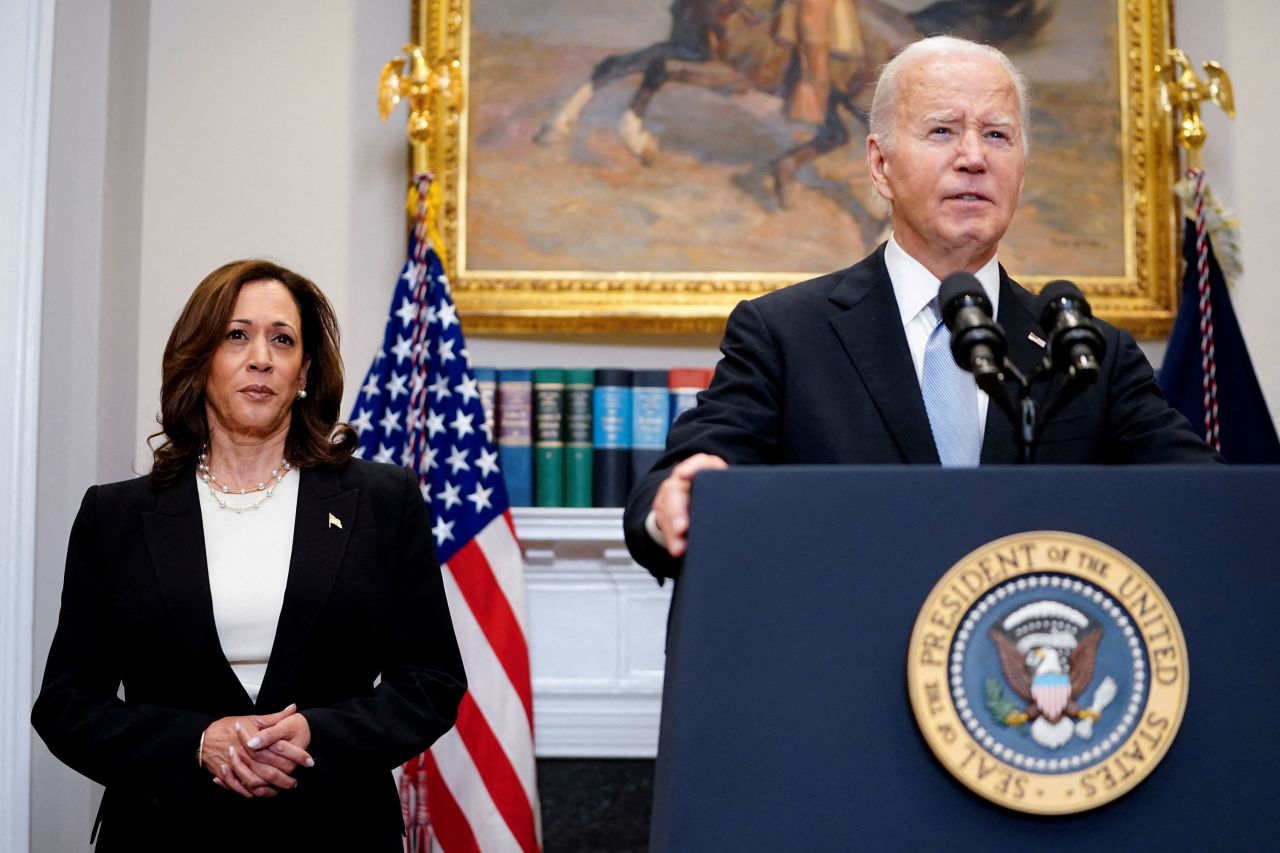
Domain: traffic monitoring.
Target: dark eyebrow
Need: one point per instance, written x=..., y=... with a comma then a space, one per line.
x=278, y=324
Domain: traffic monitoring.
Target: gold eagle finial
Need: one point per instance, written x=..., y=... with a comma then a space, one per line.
x=1182, y=91
x=429, y=91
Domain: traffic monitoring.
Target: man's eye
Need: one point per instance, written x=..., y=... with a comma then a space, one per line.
x=941, y=130
x=997, y=134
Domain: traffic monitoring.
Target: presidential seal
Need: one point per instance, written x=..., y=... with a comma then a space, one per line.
x=1047, y=672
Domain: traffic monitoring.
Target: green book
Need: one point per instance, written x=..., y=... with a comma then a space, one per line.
x=548, y=437
x=579, y=385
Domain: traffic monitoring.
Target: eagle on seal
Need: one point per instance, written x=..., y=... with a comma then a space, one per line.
x=1048, y=653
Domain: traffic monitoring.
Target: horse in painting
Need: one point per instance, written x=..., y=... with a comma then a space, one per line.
x=731, y=46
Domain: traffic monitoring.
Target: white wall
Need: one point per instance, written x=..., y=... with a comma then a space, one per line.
x=186, y=133
x=263, y=139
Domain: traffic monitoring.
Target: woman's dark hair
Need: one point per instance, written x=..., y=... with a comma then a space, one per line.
x=315, y=435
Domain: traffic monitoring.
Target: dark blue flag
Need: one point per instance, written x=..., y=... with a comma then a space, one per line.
x=1245, y=431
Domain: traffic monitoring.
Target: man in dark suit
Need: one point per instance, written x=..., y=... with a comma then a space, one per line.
x=842, y=369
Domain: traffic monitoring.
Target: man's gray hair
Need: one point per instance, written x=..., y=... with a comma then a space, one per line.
x=884, y=103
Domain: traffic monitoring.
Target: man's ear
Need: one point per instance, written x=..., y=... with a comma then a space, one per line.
x=878, y=167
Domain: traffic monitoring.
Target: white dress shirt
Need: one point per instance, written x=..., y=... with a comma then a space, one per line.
x=248, y=555
x=915, y=287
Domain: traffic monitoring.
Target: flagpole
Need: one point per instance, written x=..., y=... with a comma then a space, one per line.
x=476, y=787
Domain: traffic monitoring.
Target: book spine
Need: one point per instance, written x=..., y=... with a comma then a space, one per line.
x=548, y=437
x=683, y=384
x=515, y=434
x=611, y=437
x=487, y=385
x=578, y=449
x=650, y=413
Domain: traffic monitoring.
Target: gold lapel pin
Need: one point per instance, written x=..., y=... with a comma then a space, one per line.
x=334, y=521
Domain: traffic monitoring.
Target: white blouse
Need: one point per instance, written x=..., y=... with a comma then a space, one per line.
x=248, y=555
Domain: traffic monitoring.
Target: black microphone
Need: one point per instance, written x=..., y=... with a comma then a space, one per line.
x=1075, y=345
x=977, y=342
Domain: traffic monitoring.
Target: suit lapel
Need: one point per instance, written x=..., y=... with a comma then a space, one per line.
x=1017, y=317
x=870, y=330
x=175, y=540
x=326, y=515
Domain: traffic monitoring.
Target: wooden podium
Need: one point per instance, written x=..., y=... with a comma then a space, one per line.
x=786, y=723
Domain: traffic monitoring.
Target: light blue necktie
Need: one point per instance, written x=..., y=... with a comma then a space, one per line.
x=951, y=399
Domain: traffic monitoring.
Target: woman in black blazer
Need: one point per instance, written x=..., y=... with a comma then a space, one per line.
x=248, y=634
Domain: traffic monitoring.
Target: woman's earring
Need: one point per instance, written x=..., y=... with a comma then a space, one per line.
x=302, y=393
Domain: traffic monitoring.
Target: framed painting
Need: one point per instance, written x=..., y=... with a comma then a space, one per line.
x=643, y=165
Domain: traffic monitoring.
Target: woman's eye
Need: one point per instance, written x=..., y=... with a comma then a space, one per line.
x=237, y=335
x=284, y=339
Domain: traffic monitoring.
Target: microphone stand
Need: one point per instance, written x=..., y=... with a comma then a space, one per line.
x=1024, y=416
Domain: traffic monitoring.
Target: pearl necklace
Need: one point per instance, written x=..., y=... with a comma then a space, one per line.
x=211, y=482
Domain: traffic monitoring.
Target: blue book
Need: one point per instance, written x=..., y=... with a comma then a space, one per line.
x=611, y=437
x=650, y=418
x=685, y=385
x=515, y=434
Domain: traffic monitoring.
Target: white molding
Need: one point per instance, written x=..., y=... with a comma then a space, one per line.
x=598, y=630
x=26, y=57
x=544, y=526
x=597, y=725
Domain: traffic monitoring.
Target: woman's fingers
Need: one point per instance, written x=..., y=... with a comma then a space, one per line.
x=293, y=729
x=247, y=776
x=273, y=758
x=228, y=780
x=290, y=752
x=248, y=734
x=270, y=771
x=272, y=719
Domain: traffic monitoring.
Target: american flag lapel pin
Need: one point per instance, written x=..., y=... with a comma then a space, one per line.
x=334, y=521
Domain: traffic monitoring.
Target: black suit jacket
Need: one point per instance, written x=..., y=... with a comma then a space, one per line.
x=820, y=372
x=362, y=600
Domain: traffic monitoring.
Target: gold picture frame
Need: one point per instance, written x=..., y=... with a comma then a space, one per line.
x=1129, y=154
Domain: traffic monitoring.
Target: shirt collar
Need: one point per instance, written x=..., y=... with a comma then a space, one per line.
x=915, y=287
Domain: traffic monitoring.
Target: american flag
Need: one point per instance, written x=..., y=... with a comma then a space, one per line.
x=475, y=789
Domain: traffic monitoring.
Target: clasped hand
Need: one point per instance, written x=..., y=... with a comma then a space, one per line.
x=256, y=756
